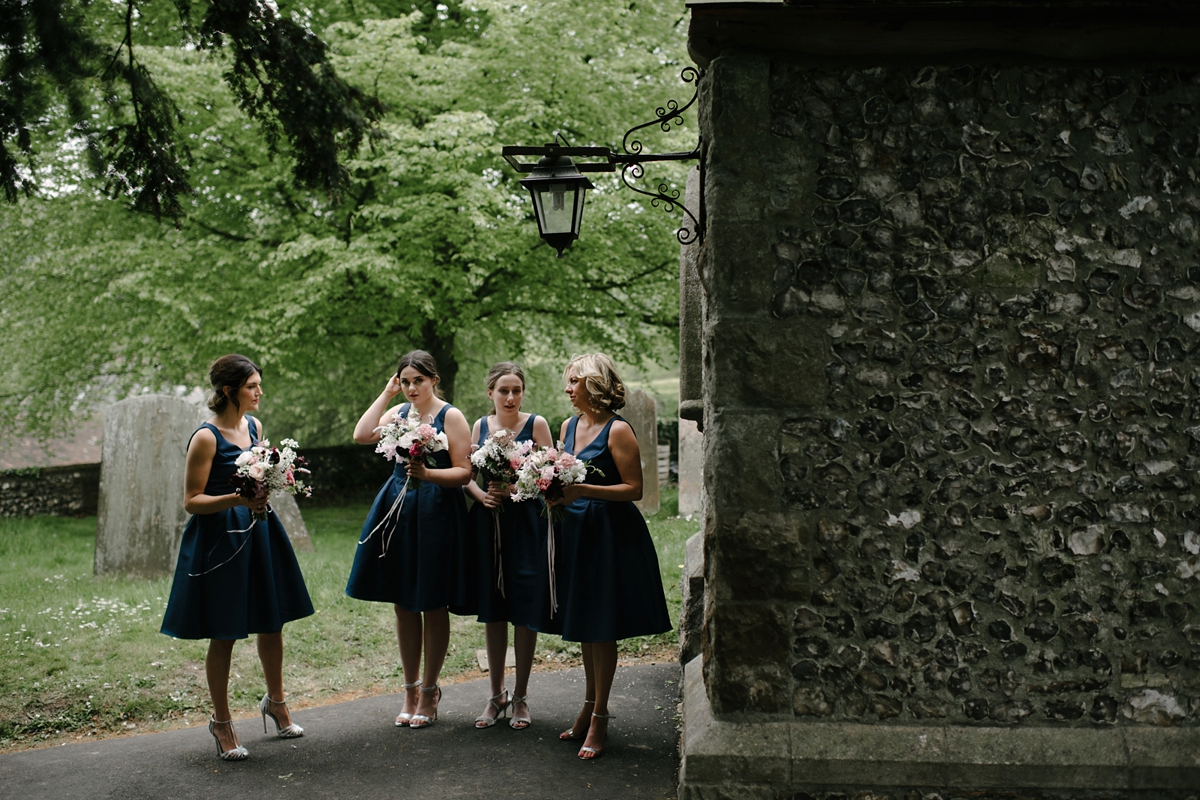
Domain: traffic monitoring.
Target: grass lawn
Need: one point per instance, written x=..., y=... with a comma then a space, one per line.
x=85, y=658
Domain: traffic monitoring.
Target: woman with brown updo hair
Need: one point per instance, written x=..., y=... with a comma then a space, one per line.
x=609, y=586
x=235, y=575
x=407, y=555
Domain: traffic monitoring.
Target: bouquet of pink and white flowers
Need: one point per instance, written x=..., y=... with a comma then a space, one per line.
x=407, y=437
x=500, y=456
x=545, y=472
x=264, y=469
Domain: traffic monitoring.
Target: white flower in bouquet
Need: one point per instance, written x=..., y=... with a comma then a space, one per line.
x=264, y=469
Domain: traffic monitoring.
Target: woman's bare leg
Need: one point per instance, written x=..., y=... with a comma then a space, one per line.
x=270, y=653
x=495, y=637
x=604, y=670
x=437, y=642
x=524, y=644
x=216, y=671
x=584, y=721
x=409, y=635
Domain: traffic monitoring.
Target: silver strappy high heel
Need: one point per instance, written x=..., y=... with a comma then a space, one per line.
x=403, y=718
x=570, y=734
x=483, y=720
x=237, y=753
x=595, y=752
x=519, y=723
x=421, y=720
x=292, y=731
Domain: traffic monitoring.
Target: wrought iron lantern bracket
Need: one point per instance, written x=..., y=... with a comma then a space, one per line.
x=630, y=161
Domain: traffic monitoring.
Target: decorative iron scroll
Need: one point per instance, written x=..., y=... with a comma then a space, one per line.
x=633, y=158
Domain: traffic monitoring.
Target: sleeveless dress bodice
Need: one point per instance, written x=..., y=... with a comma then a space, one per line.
x=609, y=586
x=502, y=555
x=408, y=549
x=234, y=576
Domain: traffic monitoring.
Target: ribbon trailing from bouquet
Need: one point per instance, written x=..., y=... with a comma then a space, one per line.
x=497, y=555
x=397, y=507
x=550, y=561
x=253, y=521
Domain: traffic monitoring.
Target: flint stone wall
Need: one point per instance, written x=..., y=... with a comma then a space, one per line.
x=961, y=487
x=70, y=491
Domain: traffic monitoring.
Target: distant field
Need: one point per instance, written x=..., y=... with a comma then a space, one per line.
x=85, y=658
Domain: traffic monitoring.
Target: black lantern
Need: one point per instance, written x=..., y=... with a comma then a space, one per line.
x=558, y=186
x=558, y=190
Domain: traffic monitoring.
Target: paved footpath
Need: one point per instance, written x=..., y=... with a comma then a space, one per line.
x=353, y=750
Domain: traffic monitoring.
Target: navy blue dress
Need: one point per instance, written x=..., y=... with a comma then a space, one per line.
x=609, y=583
x=522, y=551
x=229, y=585
x=410, y=556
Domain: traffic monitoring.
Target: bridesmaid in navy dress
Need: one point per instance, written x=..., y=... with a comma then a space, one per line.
x=609, y=584
x=407, y=551
x=508, y=591
x=235, y=576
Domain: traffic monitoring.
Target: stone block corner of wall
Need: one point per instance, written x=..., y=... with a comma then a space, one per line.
x=745, y=756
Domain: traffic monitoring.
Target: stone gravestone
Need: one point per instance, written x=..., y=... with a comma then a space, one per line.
x=640, y=412
x=691, y=469
x=289, y=514
x=142, y=457
x=141, y=516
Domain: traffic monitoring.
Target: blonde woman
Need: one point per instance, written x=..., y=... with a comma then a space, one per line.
x=609, y=584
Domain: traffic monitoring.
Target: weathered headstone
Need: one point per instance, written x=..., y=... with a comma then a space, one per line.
x=141, y=514
x=691, y=469
x=289, y=514
x=640, y=412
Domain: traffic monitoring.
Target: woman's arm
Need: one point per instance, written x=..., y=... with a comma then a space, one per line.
x=378, y=414
x=624, y=448
x=472, y=488
x=541, y=432
x=458, y=437
x=199, y=462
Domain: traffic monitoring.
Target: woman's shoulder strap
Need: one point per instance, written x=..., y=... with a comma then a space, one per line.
x=619, y=418
x=252, y=424
x=203, y=425
x=483, y=428
x=527, y=428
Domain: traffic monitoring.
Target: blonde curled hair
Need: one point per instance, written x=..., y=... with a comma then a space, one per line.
x=599, y=376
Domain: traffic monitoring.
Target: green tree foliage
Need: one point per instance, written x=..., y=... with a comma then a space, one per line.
x=432, y=245
x=87, y=56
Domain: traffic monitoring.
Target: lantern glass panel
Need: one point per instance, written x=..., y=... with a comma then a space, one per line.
x=557, y=207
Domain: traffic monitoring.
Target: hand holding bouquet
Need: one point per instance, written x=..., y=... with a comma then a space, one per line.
x=500, y=456
x=406, y=438
x=545, y=472
x=264, y=469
